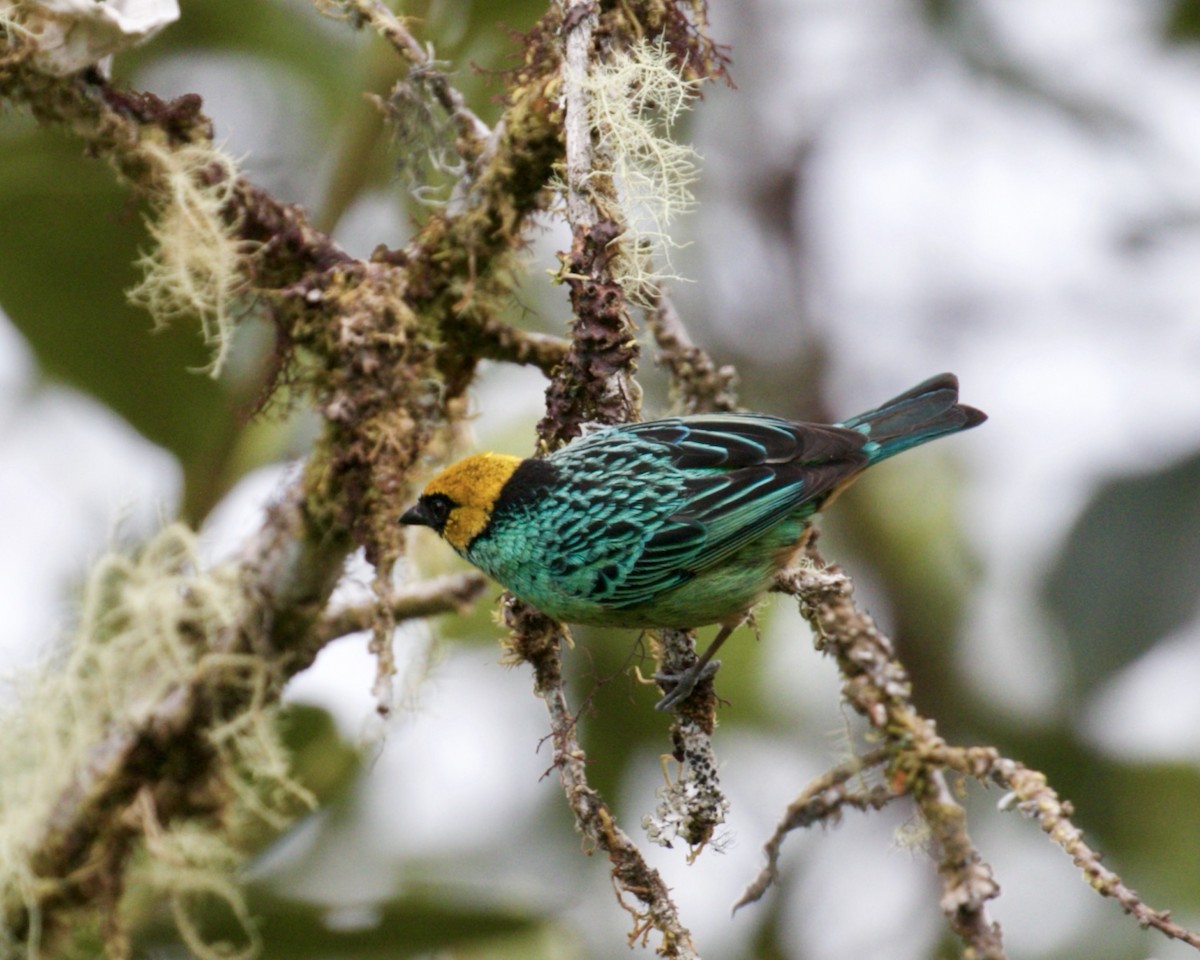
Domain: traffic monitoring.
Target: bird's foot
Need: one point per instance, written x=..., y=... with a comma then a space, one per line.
x=684, y=683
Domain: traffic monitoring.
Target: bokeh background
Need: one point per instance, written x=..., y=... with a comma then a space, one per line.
x=1009, y=190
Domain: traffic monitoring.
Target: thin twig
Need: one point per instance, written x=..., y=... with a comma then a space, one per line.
x=876, y=685
x=454, y=593
x=699, y=385
x=473, y=133
x=501, y=341
x=538, y=641
x=1036, y=799
x=822, y=801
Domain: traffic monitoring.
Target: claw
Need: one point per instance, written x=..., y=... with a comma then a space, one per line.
x=685, y=683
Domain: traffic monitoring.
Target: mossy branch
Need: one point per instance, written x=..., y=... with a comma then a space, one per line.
x=918, y=763
x=595, y=383
x=390, y=344
x=455, y=593
x=389, y=347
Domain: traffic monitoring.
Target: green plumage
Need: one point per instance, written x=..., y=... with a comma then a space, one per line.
x=685, y=521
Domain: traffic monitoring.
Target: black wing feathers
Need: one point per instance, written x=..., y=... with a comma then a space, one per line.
x=733, y=440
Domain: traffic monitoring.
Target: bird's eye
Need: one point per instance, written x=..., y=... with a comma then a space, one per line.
x=432, y=510
x=438, y=506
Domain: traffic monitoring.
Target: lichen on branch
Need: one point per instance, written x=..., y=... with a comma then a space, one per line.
x=196, y=266
x=383, y=349
x=634, y=98
x=156, y=629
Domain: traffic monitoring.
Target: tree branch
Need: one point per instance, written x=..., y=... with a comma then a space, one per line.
x=386, y=384
x=1036, y=799
x=455, y=593
x=594, y=382
x=537, y=640
x=822, y=801
x=876, y=685
x=697, y=383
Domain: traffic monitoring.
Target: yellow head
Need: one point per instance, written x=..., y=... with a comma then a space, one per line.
x=458, y=502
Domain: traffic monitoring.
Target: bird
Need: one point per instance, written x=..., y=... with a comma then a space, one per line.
x=673, y=523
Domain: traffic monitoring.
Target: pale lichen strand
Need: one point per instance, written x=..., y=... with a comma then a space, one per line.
x=196, y=266
x=634, y=99
x=154, y=629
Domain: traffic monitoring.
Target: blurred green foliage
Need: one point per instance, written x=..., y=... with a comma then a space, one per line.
x=66, y=257
x=410, y=926
x=1182, y=23
x=1126, y=577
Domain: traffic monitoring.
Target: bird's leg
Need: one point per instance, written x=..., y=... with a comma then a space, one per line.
x=686, y=682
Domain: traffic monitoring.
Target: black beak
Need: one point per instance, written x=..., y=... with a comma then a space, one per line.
x=417, y=515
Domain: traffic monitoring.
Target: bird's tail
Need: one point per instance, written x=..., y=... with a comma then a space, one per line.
x=926, y=412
